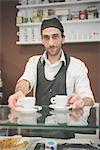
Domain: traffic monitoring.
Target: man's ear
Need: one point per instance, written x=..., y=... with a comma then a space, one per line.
x=63, y=39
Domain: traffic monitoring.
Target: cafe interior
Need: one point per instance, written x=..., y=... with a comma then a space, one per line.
x=44, y=128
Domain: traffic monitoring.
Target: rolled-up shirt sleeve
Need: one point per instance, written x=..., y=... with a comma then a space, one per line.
x=82, y=82
x=30, y=72
x=77, y=79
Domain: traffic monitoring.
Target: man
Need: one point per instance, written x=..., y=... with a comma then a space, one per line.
x=54, y=72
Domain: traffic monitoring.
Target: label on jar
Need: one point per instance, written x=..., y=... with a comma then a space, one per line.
x=82, y=14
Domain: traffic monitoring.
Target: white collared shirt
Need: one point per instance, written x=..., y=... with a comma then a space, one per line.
x=76, y=75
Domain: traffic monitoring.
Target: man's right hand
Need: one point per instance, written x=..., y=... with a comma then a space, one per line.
x=13, y=99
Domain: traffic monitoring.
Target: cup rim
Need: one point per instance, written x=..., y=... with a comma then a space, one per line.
x=27, y=97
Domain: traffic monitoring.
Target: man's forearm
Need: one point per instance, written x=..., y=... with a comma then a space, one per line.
x=88, y=101
x=23, y=86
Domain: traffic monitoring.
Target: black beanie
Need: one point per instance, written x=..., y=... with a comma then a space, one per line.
x=54, y=22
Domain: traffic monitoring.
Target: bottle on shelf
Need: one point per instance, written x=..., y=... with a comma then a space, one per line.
x=1, y=87
x=23, y=2
x=19, y=18
x=45, y=2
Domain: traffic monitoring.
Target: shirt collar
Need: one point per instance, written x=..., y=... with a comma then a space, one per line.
x=62, y=59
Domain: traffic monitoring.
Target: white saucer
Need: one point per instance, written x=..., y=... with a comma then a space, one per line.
x=34, y=109
x=54, y=106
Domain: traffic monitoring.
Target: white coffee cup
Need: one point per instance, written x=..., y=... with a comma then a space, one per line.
x=26, y=102
x=37, y=36
x=22, y=33
x=30, y=34
x=59, y=100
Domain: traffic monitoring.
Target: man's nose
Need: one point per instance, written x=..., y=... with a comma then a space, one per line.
x=51, y=41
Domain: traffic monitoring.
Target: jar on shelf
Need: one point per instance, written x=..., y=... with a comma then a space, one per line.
x=82, y=14
x=19, y=18
x=92, y=12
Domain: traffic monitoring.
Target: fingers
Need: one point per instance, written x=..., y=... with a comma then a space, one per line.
x=75, y=101
x=72, y=98
x=13, y=99
x=78, y=104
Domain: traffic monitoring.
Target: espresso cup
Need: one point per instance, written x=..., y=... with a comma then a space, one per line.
x=26, y=102
x=22, y=33
x=30, y=35
x=59, y=100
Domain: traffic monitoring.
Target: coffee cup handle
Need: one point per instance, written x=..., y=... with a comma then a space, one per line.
x=19, y=103
x=53, y=100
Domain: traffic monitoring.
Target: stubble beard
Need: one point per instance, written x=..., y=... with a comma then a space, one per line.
x=54, y=53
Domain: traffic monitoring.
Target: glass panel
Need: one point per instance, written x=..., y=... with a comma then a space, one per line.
x=48, y=118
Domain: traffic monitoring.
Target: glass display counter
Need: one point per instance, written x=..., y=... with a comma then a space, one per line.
x=51, y=119
x=44, y=122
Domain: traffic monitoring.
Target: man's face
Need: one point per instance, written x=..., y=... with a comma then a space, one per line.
x=52, y=40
